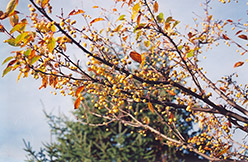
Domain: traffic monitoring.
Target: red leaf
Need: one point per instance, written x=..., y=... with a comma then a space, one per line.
x=225, y=37
x=243, y=37
x=229, y=20
x=136, y=56
x=238, y=32
x=237, y=64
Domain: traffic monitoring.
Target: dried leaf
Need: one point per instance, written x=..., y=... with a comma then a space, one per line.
x=238, y=32
x=79, y=90
x=225, y=37
x=229, y=20
x=136, y=56
x=223, y=89
x=243, y=37
x=11, y=6
x=150, y=107
x=138, y=19
x=155, y=7
x=74, y=12
x=237, y=64
x=77, y=103
x=96, y=20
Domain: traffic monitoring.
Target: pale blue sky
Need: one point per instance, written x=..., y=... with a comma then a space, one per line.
x=21, y=104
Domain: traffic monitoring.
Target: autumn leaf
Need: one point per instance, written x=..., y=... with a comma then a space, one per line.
x=34, y=59
x=155, y=7
x=44, y=3
x=14, y=20
x=243, y=37
x=237, y=64
x=150, y=107
x=96, y=20
x=136, y=56
x=171, y=92
x=79, y=90
x=74, y=12
x=11, y=6
x=6, y=70
x=225, y=37
x=7, y=59
x=160, y=17
x=77, y=103
x=229, y=20
x=223, y=151
x=19, y=27
x=136, y=9
x=51, y=44
x=238, y=32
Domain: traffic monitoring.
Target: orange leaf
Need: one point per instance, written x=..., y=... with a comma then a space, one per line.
x=96, y=20
x=151, y=107
x=225, y=37
x=2, y=28
x=223, y=89
x=77, y=103
x=136, y=56
x=79, y=90
x=44, y=3
x=95, y=7
x=171, y=92
x=138, y=19
x=237, y=64
x=125, y=38
x=155, y=7
x=243, y=37
x=73, y=12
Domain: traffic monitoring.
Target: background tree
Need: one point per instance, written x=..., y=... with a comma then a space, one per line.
x=74, y=141
x=167, y=62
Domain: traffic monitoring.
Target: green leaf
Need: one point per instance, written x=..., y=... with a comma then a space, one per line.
x=168, y=19
x=34, y=59
x=175, y=24
x=160, y=17
x=27, y=53
x=11, y=6
x=6, y=70
x=19, y=27
x=20, y=37
x=122, y=17
x=51, y=44
x=190, y=54
x=7, y=59
x=11, y=42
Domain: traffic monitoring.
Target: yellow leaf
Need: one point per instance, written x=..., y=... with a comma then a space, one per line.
x=171, y=92
x=136, y=56
x=51, y=44
x=44, y=3
x=150, y=107
x=223, y=151
x=79, y=90
x=11, y=6
x=136, y=9
x=96, y=20
x=237, y=64
x=77, y=103
x=19, y=76
x=155, y=7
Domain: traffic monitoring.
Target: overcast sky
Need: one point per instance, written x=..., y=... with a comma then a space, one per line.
x=22, y=104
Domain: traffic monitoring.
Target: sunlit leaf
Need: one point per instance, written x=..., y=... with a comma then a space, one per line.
x=118, y=28
x=155, y=7
x=136, y=56
x=136, y=9
x=74, y=12
x=19, y=76
x=223, y=151
x=243, y=37
x=171, y=92
x=7, y=59
x=53, y=28
x=77, y=103
x=11, y=42
x=11, y=6
x=175, y=24
x=44, y=3
x=150, y=107
x=96, y=20
x=20, y=37
x=6, y=70
x=124, y=38
x=237, y=64
x=79, y=90
x=2, y=28
x=147, y=43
